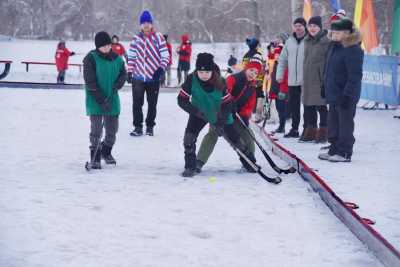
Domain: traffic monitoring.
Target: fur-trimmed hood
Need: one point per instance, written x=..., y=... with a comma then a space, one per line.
x=354, y=38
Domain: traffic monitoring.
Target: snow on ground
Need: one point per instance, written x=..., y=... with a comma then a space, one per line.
x=43, y=51
x=372, y=178
x=141, y=212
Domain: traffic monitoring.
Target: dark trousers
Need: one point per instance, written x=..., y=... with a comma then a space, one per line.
x=61, y=76
x=311, y=116
x=281, y=107
x=193, y=128
x=341, y=129
x=151, y=89
x=185, y=67
x=97, y=123
x=294, y=105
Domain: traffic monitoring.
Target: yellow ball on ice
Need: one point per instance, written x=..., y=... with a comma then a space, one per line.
x=212, y=179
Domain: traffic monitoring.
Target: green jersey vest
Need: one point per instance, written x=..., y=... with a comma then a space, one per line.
x=107, y=73
x=209, y=103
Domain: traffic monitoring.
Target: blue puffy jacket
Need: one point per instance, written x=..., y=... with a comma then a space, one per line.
x=344, y=69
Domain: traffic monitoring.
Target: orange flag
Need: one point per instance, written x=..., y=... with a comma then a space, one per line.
x=307, y=10
x=364, y=18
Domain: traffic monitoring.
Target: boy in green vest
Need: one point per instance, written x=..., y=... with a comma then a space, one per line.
x=205, y=98
x=104, y=74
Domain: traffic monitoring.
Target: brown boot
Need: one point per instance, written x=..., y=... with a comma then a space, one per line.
x=308, y=135
x=322, y=135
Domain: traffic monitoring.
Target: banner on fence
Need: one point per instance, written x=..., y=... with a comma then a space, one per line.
x=380, y=81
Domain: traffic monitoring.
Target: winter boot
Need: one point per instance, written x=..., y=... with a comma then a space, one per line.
x=188, y=172
x=322, y=135
x=280, y=129
x=308, y=135
x=199, y=166
x=106, y=154
x=340, y=158
x=150, y=131
x=138, y=131
x=95, y=159
x=292, y=134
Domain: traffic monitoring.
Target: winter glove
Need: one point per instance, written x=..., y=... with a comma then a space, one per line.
x=157, y=74
x=129, y=78
x=72, y=53
x=106, y=105
x=345, y=102
x=281, y=96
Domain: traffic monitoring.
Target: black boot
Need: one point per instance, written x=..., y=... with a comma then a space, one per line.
x=150, y=131
x=95, y=159
x=199, y=165
x=188, y=172
x=106, y=154
x=292, y=134
x=281, y=129
x=138, y=131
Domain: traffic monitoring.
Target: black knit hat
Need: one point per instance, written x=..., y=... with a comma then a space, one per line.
x=102, y=39
x=205, y=62
x=300, y=20
x=344, y=24
x=317, y=20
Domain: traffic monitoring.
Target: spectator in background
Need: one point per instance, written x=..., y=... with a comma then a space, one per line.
x=315, y=49
x=167, y=75
x=62, y=57
x=185, y=52
x=292, y=57
x=148, y=59
x=342, y=88
x=118, y=48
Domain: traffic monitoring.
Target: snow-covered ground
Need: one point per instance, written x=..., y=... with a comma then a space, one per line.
x=142, y=213
x=372, y=178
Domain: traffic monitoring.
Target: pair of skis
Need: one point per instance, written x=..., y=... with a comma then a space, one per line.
x=257, y=168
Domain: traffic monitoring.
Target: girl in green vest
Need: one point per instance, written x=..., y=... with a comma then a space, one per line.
x=204, y=97
x=104, y=74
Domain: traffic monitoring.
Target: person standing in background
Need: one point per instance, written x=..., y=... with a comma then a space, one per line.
x=62, y=57
x=148, y=59
x=292, y=57
x=118, y=48
x=185, y=52
x=315, y=48
x=167, y=75
x=342, y=88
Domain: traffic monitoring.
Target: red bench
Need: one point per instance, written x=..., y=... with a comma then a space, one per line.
x=47, y=63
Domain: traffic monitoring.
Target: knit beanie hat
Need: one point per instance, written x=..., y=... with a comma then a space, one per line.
x=300, y=20
x=146, y=17
x=255, y=62
x=101, y=39
x=317, y=20
x=205, y=62
x=344, y=24
x=252, y=43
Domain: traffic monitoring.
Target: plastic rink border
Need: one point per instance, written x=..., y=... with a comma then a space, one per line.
x=360, y=227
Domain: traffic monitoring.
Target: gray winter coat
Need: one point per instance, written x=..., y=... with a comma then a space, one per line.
x=292, y=57
x=315, y=50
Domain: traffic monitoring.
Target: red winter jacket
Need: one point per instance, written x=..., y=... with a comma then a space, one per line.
x=185, y=49
x=243, y=92
x=62, y=56
x=118, y=49
x=169, y=46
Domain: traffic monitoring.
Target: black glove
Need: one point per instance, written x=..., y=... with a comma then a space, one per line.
x=157, y=74
x=106, y=105
x=72, y=53
x=345, y=102
x=129, y=78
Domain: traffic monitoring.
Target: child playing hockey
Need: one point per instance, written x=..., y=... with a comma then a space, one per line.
x=204, y=97
x=62, y=57
x=104, y=74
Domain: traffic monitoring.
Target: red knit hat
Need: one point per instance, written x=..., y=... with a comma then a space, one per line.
x=255, y=62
